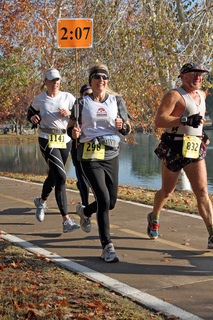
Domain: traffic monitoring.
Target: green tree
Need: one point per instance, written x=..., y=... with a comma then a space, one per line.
x=14, y=87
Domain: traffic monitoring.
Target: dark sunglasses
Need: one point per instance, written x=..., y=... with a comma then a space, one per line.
x=98, y=77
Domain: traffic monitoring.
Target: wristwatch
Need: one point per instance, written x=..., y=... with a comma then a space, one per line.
x=183, y=120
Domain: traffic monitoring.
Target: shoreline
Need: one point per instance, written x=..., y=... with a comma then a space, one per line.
x=184, y=201
x=21, y=138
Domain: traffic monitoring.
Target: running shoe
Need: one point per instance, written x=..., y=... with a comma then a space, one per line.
x=69, y=225
x=210, y=242
x=40, y=209
x=109, y=254
x=85, y=221
x=153, y=227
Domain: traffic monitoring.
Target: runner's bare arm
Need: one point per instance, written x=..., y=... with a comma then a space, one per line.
x=170, y=110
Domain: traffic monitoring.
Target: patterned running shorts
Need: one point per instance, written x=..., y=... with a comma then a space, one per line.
x=171, y=154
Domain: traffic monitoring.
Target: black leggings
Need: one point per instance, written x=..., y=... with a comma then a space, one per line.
x=103, y=179
x=82, y=183
x=56, y=160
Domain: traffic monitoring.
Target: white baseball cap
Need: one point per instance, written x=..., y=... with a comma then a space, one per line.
x=51, y=74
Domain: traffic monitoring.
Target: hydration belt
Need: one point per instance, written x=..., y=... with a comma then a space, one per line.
x=53, y=131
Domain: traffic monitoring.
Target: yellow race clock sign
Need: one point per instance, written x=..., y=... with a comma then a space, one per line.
x=74, y=33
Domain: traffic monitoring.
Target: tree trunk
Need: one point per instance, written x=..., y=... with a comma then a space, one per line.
x=20, y=127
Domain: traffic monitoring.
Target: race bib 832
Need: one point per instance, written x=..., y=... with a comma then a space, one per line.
x=191, y=147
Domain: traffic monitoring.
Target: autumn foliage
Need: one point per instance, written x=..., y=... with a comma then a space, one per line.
x=144, y=43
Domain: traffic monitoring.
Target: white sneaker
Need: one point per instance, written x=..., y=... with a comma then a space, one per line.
x=210, y=242
x=85, y=222
x=109, y=254
x=69, y=225
x=40, y=209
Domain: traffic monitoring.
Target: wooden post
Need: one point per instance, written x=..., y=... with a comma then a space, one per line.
x=76, y=72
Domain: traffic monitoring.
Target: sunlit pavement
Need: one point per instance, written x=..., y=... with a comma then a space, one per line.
x=176, y=269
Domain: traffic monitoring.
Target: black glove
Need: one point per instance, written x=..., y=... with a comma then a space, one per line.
x=205, y=137
x=125, y=129
x=194, y=120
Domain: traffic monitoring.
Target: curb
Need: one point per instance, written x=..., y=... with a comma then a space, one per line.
x=146, y=300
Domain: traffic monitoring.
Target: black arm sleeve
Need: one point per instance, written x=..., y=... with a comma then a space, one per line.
x=73, y=112
x=31, y=112
x=122, y=110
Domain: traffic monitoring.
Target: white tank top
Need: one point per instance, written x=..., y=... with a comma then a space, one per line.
x=98, y=118
x=191, y=107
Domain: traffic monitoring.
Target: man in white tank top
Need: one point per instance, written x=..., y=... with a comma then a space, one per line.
x=181, y=113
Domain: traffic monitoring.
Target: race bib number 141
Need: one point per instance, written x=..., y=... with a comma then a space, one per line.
x=57, y=141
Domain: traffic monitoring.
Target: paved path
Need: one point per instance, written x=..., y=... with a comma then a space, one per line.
x=173, y=274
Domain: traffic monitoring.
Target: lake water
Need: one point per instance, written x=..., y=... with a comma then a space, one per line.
x=139, y=166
